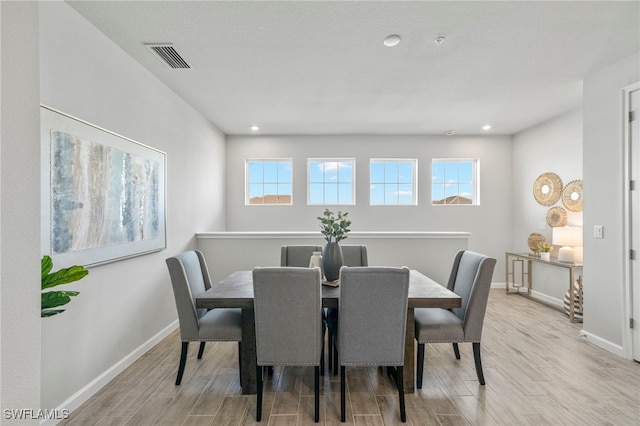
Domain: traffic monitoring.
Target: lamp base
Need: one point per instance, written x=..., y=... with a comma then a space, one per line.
x=565, y=254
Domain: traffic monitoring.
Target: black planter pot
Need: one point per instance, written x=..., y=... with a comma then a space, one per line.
x=332, y=261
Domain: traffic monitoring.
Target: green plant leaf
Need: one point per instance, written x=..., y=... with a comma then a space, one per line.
x=50, y=312
x=53, y=299
x=46, y=265
x=64, y=276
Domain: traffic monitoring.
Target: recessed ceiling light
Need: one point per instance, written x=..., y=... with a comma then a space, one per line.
x=450, y=133
x=486, y=127
x=439, y=41
x=254, y=128
x=392, y=40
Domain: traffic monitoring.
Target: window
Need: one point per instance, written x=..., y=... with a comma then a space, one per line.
x=454, y=181
x=392, y=182
x=268, y=182
x=331, y=181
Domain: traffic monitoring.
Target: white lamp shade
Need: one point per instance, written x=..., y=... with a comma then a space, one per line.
x=567, y=237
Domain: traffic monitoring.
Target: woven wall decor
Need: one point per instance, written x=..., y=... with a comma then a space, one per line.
x=533, y=241
x=547, y=189
x=572, y=196
x=557, y=216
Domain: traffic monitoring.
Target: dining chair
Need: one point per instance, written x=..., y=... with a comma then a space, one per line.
x=288, y=322
x=470, y=279
x=352, y=255
x=372, y=323
x=190, y=278
x=297, y=255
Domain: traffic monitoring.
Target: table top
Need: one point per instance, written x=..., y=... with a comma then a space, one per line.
x=236, y=291
x=553, y=261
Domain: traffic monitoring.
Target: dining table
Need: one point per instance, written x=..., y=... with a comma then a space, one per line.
x=236, y=291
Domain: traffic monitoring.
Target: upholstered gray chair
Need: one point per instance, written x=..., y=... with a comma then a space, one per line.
x=470, y=279
x=288, y=319
x=352, y=255
x=297, y=256
x=189, y=278
x=372, y=322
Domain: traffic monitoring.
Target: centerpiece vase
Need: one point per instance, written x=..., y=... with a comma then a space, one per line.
x=332, y=261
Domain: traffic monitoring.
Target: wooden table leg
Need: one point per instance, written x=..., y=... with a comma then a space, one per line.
x=409, y=355
x=248, y=354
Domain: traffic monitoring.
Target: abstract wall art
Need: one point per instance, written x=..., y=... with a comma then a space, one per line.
x=103, y=195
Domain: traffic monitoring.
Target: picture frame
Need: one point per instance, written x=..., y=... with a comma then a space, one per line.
x=103, y=194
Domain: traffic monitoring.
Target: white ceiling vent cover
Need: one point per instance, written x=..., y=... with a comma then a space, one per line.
x=168, y=55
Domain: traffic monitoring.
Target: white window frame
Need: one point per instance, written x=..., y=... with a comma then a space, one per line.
x=475, y=184
x=247, y=182
x=414, y=181
x=332, y=160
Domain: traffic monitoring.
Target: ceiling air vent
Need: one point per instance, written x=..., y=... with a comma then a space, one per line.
x=168, y=54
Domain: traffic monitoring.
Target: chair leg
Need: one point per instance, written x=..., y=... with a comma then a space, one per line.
x=476, y=357
x=400, y=386
x=420, y=365
x=201, y=350
x=316, y=389
x=322, y=357
x=258, y=393
x=456, y=350
x=239, y=359
x=183, y=362
x=335, y=355
x=330, y=352
x=343, y=404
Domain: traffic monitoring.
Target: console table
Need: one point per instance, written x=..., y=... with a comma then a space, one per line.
x=526, y=260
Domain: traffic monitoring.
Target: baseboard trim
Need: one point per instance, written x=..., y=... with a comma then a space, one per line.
x=77, y=399
x=602, y=343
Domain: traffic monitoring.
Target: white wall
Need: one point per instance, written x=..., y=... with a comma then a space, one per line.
x=489, y=223
x=552, y=146
x=122, y=305
x=604, y=195
x=19, y=209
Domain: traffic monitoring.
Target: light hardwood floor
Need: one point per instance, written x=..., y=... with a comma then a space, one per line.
x=538, y=371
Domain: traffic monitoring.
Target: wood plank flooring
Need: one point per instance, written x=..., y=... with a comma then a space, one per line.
x=538, y=371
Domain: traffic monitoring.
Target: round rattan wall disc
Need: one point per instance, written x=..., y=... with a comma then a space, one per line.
x=557, y=216
x=534, y=240
x=572, y=196
x=547, y=189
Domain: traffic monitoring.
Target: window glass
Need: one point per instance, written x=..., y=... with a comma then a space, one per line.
x=330, y=181
x=392, y=181
x=454, y=182
x=268, y=182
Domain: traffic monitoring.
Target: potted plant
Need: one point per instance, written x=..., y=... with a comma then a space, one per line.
x=53, y=299
x=545, y=250
x=334, y=227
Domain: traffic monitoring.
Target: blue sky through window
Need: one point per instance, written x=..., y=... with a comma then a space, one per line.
x=269, y=182
x=392, y=182
x=453, y=181
x=331, y=181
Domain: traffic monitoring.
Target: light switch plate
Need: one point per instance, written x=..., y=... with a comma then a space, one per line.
x=598, y=231
x=542, y=226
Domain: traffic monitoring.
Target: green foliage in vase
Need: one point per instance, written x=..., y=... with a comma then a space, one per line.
x=544, y=247
x=54, y=299
x=334, y=226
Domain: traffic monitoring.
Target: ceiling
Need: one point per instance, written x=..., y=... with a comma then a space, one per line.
x=306, y=67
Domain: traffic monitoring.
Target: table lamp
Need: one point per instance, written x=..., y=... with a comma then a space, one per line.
x=567, y=237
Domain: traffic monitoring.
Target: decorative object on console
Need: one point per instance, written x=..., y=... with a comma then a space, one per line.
x=567, y=237
x=534, y=240
x=572, y=196
x=577, y=300
x=545, y=250
x=547, y=189
x=333, y=227
x=557, y=216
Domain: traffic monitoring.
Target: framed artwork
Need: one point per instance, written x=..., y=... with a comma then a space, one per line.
x=103, y=195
